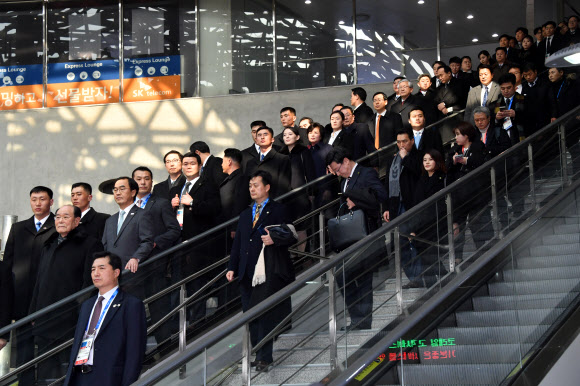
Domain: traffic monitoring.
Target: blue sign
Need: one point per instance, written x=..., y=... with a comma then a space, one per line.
x=95, y=70
x=152, y=67
x=27, y=75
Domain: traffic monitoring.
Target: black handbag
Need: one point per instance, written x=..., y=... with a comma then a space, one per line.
x=347, y=229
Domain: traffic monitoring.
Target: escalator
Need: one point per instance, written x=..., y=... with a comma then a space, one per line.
x=487, y=315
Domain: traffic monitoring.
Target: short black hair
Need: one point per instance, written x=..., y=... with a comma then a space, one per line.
x=404, y=131
x=484, y=67
x=265, y=128
x=529, y=66
x=537, y=29
x=142, y=169
x=266, y=177
x=455, y=59
x=523, y=29
x=575, y=17
x=441, y=63
x=133, y=185
x=257, y=123
x=465, y=57
x=318, y=126
x=338, y=104
x=507, y=78
x=347, y=108
x=504, y=36
x=553, y=23
x=445, y=68
x=234, y=154
x=416, y=108
x=361, y=92
x=337, y=154
x=114, y=261
x=398, y=77
x=291, y=109
x=191, y=154
x=501, y=49
x=310, y=120
x=380, y=93
x=516, y=65
x=76, y=210
x=339, y=113
x=42, y=189
x=200, y=146
x=87, y=187
x=173, y=152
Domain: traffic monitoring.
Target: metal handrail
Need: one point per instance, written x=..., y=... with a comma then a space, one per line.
x=430, y=305
x=212, y=337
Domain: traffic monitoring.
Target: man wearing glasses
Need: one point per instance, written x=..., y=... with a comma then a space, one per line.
x=172, y=161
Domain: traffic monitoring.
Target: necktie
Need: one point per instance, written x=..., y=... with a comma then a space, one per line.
x=377, y=145
x=262, y=157
x=96, y=315
x=484, y=97
x=402, y=102
x=507, y=103
x=187, y=186
x=346, y=184
x=121, y=219
x=38, y=225
x=548, y=45
x=417, y=139
x=201, y=170
x=139, y=202
x=256, y=215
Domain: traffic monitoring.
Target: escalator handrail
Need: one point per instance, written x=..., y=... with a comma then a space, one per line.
x=438, y=299
x=213, y=336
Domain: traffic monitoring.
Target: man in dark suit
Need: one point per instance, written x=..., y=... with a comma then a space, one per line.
x=456, y=73
x=502, y=65
x=406, y=102
x=425, y=139
x=471, y=76
x=395, y=95
x=426, y=95
x=166, y=233
x=384, y=123
x=199, y=201
x=251, y=237
x=22, y=258
x=552, y=42
x=111, y=332
x=234, y=193
x=6, y=300
x=435, y=82
x=362, y=112
x=129, y=232
x=536, y=90
x=449, y=96
x=92, y=222
x=270, y=160
x=172, y=161
x=361, y=189
x=510, y=110
x=253, y=151
x=288, y=119
x=362, y=140
x=209, y=164
x=486, y=94
x=339, y=136
x=495, y=138
x=66, y=255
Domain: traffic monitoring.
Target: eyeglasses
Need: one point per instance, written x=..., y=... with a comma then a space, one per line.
x=337, y=170
x=121, y=189
x=171, y=161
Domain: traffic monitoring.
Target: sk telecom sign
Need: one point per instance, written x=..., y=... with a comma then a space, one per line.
x=153, y=78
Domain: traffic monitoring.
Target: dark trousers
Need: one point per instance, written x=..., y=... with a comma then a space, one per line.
x=259, y=328
x=479, y=219
x=357, y=289
x=54, y=366
x=24, y=354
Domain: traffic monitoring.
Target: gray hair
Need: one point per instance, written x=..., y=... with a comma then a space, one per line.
x=481, y=110
x=408, y=82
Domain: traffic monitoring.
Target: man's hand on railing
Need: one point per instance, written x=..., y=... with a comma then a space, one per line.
x=230, y=275
x=386, y=216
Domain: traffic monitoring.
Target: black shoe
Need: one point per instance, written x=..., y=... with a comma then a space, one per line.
x=412, y=284
x=262, y=366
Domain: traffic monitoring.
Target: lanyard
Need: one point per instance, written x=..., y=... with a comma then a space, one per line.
x=254, y=207
x=562, y=85
x=144, y=201
x=511, y=101
x=103, y=312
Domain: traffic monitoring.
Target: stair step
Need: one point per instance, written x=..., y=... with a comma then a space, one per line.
x=507, y=317
x=553, y=261
x=565, y=238
x=513, y=302
x=460, y=374
x=551, y=273
x=493, y=334
x=537, y=287
x=554, y=250
x=566, y=228
x=289, y=374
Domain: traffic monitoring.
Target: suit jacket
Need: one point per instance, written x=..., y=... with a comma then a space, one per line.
x=389, y=124
x=70, y=262
x=520, y=123
x=391, y=99
x=451, y=94
x=428, y=104
x=364, y=142
x=22, y=258
x=93, y=223
x=248, y=242
x=565, y=95
x=278, y=166
x=363, y=113
x=135, y=238
x=234, y=195
x=367, y=193
x=345, y=139
x=496, y=141
x=248, y=154
x=408, y=180
x=498, y=71
x=162, y=188
x=213, y=168
x=166, y=229
x=7, y=298
x=557, y=44
x=120, y=344
x=430, y=139
x=404, y=109
x=538, y=104
x=474, y=100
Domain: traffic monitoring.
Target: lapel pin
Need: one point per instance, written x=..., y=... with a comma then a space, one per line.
x=132, y=213
x=117, y=305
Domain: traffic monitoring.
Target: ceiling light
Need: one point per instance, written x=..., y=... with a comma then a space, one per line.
x=573, y=59
x=421, y=2
x=494, y=35
x=475, y=40
x=470, y=16
x=448, y=22
x=307, y=2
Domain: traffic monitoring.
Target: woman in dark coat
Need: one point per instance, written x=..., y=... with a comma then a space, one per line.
x=302, y=166
x=319, y=150
x=472, y=198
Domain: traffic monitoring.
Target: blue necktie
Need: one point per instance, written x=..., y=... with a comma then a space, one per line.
x=201, y=171
x=262, y=157
x=121, y=219
x=38, y=225
x=417, y=140
x=484, y=97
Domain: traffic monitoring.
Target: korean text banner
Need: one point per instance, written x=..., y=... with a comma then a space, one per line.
x=152, y=78
x=82, y=83
x=21, y=87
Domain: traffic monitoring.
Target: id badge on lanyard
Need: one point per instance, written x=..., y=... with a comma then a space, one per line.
x=85, y=350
